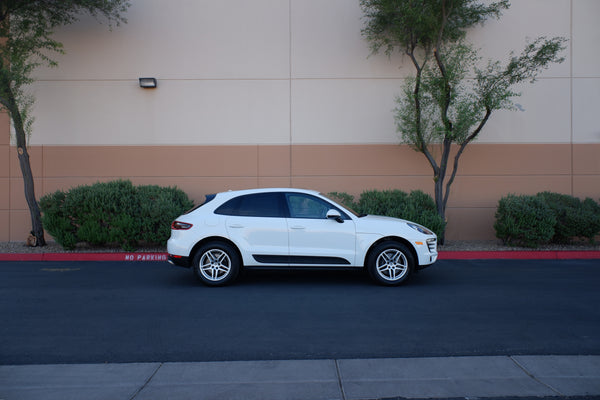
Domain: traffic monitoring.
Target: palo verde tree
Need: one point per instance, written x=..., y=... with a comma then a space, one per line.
x=26, y=28
x=449, y=99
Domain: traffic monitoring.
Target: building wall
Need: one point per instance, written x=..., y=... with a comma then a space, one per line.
x=284, y=93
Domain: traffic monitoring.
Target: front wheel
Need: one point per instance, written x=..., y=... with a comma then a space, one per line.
x=216, y=264
x=390, y=263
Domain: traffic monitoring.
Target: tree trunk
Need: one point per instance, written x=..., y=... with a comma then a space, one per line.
x=441, y=207
x=37, y=228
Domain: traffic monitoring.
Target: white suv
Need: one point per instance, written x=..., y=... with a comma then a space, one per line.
x=294, y=228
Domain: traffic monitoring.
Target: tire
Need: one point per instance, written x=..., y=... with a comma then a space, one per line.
x=216, y=264
x=390, y=263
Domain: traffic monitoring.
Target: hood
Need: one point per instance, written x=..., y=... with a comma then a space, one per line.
x=380, y=225
x=382, y=219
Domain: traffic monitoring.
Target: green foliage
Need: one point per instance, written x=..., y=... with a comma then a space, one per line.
x=440, y=105
x=524, y=221
x=546, y=218
x=574, y=218
x=494, y=83
x=157, y=208
x=444, y=107
x=591, y=210
x=417, y=206
x=421, y=209
x=386, y=202
x=114, y=212
x=407, y=24
x=58, y=220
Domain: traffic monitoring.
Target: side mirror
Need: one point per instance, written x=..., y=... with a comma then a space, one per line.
x=335, y=215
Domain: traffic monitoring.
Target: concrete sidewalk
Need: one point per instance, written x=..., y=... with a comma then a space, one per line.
x=465, y=377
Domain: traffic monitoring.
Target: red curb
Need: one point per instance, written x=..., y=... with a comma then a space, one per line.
x=84, y=257
x=443, y=255
x=519, y=255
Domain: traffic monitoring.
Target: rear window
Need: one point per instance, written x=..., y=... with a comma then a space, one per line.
x=254, y=205
x=207, y=199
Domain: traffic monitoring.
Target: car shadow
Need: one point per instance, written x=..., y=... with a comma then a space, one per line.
x=303, y=277
x=358, y=277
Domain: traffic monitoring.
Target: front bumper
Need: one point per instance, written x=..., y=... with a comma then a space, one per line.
x=423, y=266
x=427, y=253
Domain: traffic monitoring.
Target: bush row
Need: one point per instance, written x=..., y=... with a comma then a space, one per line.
x=545, y=218
x=114, y=212
x=415, y=206
x=120, y=213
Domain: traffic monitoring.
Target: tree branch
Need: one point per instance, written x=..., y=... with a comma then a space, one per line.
x=461, y=149
x=421, y=142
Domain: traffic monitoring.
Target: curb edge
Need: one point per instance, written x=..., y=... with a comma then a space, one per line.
x=443, y=255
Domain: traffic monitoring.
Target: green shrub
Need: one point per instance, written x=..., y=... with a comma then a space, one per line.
x=114, y=212
x=574, y=218
x=56, y=220
x=417, y=206
x=422, y=210
x=592, y=211
x=161, y=204
x=391, y=203
x=524, y=221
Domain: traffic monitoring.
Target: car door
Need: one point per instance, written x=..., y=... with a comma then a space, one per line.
x=257, y=225
x=315, y=239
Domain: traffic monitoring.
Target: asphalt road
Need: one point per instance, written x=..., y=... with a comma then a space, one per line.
x=95, y=312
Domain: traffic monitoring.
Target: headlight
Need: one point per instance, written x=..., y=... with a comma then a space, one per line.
x=420, y=228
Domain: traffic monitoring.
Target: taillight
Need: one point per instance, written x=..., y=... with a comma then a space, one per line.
x=180, y=226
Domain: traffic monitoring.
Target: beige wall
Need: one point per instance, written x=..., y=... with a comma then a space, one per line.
x=487, y=173
x=281, y=72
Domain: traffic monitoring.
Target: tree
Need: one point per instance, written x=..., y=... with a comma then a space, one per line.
x=26, y=28
x=450, y=98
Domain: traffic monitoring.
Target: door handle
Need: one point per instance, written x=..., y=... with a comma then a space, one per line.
x=236, y=226
x=297, y=227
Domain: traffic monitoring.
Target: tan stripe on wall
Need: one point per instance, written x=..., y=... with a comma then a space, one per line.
x=487, y=172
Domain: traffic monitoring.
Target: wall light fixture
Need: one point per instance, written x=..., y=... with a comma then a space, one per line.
x=148, y=83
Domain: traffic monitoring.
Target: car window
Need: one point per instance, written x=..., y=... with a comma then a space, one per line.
x=208, y=199
x=254, y=205
x=307, y=206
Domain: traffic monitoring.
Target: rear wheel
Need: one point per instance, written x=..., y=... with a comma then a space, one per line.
x=216, y=264
x=390, y=263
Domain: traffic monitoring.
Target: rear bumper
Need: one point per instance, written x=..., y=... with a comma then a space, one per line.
x=179, y=261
